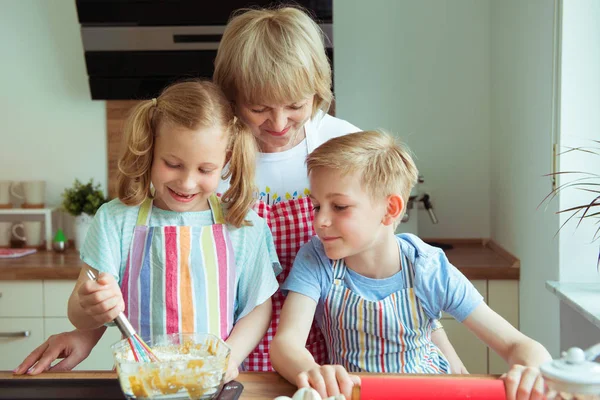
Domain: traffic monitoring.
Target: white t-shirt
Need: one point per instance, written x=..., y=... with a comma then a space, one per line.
x=282, y=176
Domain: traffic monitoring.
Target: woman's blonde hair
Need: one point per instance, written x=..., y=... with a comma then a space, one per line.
x=192, y=104
x=274, y=56
x=385, y=164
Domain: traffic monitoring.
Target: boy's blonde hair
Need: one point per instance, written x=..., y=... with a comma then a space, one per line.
x=273, y=56
x=192, y=104
x=385, y=164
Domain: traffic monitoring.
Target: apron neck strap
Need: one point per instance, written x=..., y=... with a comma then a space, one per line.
x=217, y=210
x=144, y=213
x=213, y=201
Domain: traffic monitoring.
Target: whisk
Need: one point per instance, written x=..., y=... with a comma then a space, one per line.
x=141, y=351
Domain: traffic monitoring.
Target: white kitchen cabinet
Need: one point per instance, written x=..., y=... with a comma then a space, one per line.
x=56, y=297
x=33, y=310
x=503, y=297
x=18, y=337
x=21, y=299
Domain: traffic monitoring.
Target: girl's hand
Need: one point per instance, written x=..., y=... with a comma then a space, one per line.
x=101, y=299
x=523, y=383
x=328, y=380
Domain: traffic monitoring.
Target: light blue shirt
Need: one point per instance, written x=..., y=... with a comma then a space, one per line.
x=438, y=284
x=109, y=237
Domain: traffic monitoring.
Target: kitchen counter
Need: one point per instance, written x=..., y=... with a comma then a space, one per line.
x=583, y=297
x=104, y=385
x=476, y=259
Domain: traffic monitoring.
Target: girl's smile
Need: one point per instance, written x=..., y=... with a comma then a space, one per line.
x=187, y=166
x=184, y=198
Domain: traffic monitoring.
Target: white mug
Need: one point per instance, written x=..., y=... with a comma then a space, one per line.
x=5, y=192
x=32, y=232
x=5, y=233
x=33, y=192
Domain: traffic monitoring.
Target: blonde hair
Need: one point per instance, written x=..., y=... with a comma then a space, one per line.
x=190, y=104
x=385, y=163
x=275, y=56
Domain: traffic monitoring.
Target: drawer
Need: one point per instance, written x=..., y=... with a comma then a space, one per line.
x=21, y=299
x=14, y=344
x=101, y=357
x=56, y=297
x=481, y=286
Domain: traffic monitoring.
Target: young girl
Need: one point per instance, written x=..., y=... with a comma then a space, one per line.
x=373, y=294
x=175, y=258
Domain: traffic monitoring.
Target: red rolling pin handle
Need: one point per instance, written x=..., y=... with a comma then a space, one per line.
x=428, y=388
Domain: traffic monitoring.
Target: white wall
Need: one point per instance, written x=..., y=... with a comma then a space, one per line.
x=579, y=125
x=522, y=137
x=51, y=129
x=421, y=70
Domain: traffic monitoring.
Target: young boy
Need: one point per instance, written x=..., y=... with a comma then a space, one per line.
x=375, y=294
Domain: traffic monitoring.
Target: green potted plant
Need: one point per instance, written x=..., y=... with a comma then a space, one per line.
x=588, y=182
x=82, y=200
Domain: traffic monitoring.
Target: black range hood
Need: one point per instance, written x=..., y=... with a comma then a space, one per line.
x=134, y=48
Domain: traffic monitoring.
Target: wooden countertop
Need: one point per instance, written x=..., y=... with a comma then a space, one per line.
x=475, y=258
x=257, y=385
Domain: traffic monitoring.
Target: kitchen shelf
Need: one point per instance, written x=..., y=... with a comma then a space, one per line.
x=46, y=212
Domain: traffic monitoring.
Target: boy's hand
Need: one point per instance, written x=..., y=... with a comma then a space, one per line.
x=101, y=299
x=523, y=383
x=328, y=380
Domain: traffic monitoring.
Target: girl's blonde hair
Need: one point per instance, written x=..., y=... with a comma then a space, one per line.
x=274, y=56
x=192, y=104
x=385, y=163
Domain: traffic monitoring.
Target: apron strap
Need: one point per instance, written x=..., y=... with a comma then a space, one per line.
x=144, y=213
x=408, y=271
x=216, y=208
x=339, y=269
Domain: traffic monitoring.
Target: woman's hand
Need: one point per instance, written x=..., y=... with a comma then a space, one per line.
x=101, y=299
x=328, y=380
x=523, y=383
x=73, y=347
x=232, y=370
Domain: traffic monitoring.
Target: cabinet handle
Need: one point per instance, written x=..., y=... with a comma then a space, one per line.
x=15, y=334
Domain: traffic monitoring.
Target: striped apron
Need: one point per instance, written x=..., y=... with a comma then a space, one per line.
x=391, y=335
x=180, y=279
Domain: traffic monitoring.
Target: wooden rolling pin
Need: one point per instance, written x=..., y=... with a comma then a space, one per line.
x=428, y=388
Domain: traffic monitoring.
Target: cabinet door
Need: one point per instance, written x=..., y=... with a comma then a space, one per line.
x=21, y=299
x=503, y=297
x=56, y=297
x=18, y=338
x=101, y=357
x=471, y=350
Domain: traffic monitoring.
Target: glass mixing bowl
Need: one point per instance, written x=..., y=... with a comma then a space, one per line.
x=191, y=366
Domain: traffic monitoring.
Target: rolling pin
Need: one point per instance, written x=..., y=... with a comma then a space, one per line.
x=428, y=388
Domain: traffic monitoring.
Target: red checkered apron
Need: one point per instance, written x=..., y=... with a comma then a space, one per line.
x=291, y=224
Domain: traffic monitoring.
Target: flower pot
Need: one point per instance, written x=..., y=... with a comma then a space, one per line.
x=82, y=224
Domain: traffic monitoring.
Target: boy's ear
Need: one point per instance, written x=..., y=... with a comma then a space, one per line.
x=395, y=206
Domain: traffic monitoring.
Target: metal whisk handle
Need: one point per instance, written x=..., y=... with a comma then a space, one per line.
x=121, y=321
x=124, y=325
